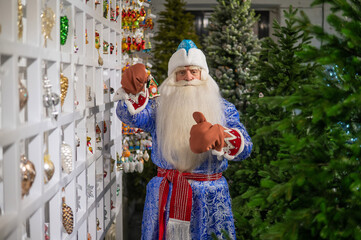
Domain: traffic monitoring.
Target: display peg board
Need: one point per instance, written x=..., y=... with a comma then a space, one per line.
x=59, y=133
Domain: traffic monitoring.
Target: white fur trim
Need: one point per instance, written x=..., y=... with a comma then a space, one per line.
x=129, y=98
x=180, y=58
x=178, y=230
x=224, y=151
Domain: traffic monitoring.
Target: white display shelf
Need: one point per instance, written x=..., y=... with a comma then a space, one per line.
x=91, y=189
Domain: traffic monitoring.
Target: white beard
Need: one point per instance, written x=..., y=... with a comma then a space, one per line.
x=177, y=103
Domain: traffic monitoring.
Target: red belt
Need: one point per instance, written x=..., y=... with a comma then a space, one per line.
x=181, y=196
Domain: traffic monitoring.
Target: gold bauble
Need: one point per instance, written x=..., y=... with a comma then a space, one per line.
x=23, y=95
x=49, y=168
x=28, y=174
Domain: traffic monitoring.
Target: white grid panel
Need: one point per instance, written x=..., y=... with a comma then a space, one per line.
x=90, y=189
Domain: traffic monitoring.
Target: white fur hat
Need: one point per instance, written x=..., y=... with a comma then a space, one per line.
x=187, y=54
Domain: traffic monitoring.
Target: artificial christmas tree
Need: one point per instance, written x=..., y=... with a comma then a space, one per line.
x=281, y=72
x=232, y=49
x=312, y=189
x=174, y=25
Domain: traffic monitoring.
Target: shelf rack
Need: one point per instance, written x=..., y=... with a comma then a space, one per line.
x=93, y=188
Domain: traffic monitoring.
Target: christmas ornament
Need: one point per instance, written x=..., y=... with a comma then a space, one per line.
x=119, y=163
x=89, y=191
x=86, y=36
x=64, y=83
x=20, y=20
x=28, y=174
x=23, y=95
x=50, y=99
x=97, y=46
x=47, y=23
x=105, y=47
x=104, y=127
x=46, y=231
x=88, y=93
x=146, y=156
x=112, y=163
x=68, y=222
x=152, y=86
x=105, y=8
x=111, y=48
x=88, y=143
x=66, y=158
x=49, y=168
x=77, y=140
x=76, y=102
x=64, y=27
x=139, y=166
x=98, y=225
x=89, y=237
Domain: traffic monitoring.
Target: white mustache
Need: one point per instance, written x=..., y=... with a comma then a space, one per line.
x=184, y=83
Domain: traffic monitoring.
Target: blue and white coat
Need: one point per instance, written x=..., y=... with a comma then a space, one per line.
x=211, y=206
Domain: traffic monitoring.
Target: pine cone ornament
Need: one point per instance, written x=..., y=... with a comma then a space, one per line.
x=68, y=221
x=64, y=83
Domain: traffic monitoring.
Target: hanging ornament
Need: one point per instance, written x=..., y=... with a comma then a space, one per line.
x=66, y=158
x=111, y=48
x=23, y=95
x=97, y=46
x=64, y=28
x=119, y=162
x=68, y=222
x=96, y=3
x=20, y=20
x=125, y=166
x=28, y=174
x=76, y=102
x=98, y=132
x=146, y=155
x=47, y=23
x=105, y=88
x=131, y=164
x=117, y=12
x=105, y=8
x=105, y=47
x=104, y=127
x=89, y=237
x=88, y=143
x=86, y=36
x=98, y=225
x=46, y=231
x=152, y=87
x=88, y=93
x=139, y=166
x=49, y=168
x=76, y=48
x=50, y=99
x=64, y=83
x=89, y=191
x=112, y=163
x=77, y=140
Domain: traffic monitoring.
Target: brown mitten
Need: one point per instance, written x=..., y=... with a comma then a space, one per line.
x=205, y=136
x=134, y=89
x=134, y=79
